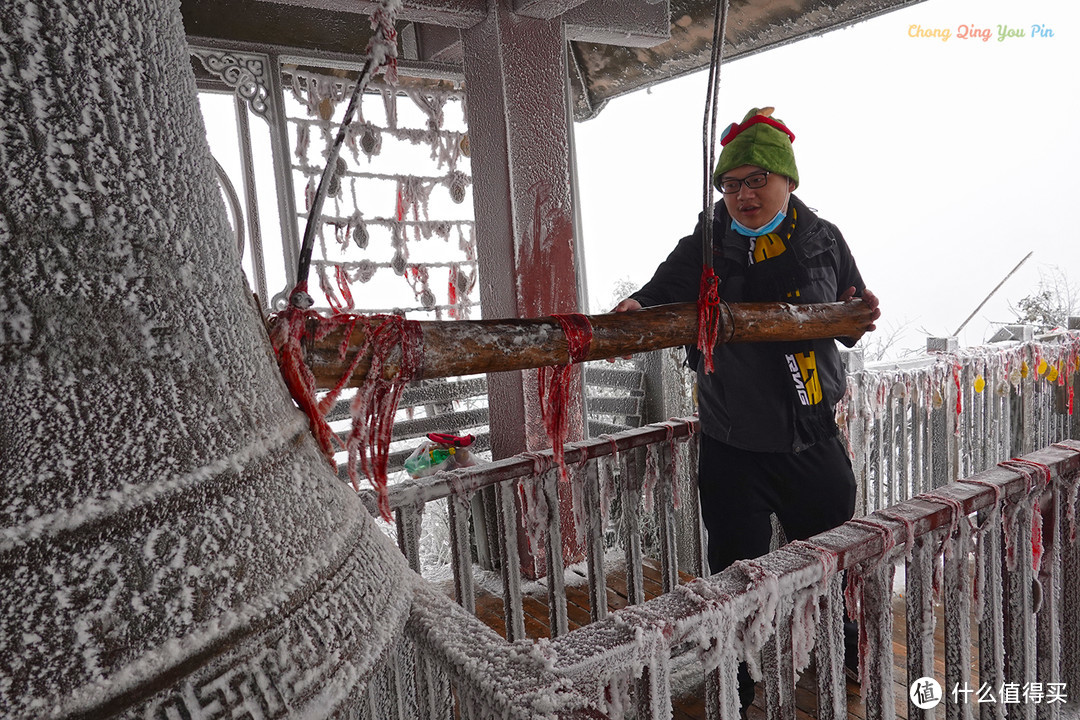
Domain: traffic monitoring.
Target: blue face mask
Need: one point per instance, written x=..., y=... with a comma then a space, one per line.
x=766, y=228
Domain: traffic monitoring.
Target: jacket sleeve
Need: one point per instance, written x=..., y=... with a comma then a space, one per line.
x=677, y=278
x=847, y=274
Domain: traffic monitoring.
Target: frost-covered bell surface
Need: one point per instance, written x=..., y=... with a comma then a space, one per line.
x=172, y=542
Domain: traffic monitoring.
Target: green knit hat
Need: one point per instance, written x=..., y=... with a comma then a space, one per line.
x=760, y=140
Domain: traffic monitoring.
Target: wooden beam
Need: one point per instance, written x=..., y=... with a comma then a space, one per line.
x=468, y=347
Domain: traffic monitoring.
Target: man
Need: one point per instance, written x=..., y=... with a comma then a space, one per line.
x=769, y=440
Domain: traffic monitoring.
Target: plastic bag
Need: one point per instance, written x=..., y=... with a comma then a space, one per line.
x=439, y=452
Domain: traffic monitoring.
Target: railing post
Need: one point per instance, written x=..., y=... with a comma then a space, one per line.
x=408, y=534
x=631, y=502
x=665, y=494
x=991, y=615
x=778, y=666
x=957, y=601
x=945, y=449
x=1020, y=401
x=594, y=541
x=918, y=581
x=1048, y=620
x=458, y=507
x=510, y=560
x=854, y=365
x=669, y=394
x=553, y=545
x=1020, y=649
x=878, y=620
x=692, y=501
x=1074, y=418
x=829, y=653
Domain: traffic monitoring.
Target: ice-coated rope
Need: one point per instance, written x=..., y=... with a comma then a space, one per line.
x=709, y=289
x=381, y=51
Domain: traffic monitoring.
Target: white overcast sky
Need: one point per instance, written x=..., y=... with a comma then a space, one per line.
x=944, y=162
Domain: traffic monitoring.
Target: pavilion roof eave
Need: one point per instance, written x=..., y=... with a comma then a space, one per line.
x=599, y=71
x=610, y=71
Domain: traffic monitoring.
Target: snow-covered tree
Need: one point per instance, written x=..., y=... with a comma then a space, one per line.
x=170, y=536
x=1051, y=304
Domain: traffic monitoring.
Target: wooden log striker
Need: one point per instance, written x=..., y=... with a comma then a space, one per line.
x=467, y=347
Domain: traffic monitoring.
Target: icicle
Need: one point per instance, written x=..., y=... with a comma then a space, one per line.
x=534, y=503
x=609, y=479
x=1030, y=470
x=1070, y=489
x=854, y=595
x=673, y=465
x=992, y=519
x=807, y=603
x=944, y=551
x=761, y=624
x=652, y=476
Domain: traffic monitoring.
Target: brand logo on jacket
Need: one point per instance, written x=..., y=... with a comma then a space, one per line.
x=803, y=368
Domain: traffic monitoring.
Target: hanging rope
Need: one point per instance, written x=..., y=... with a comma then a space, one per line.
x=381, y=51
x=709, y=290
x=376, y=401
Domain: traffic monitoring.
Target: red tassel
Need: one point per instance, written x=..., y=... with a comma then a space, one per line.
x=376, y=399
x=554, y=383
x=708, y=315
x=959, y=389
x=287, y=340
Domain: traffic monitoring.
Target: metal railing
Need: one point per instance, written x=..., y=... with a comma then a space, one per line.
x=921, y=423
x=776, y=609
x=639, y=471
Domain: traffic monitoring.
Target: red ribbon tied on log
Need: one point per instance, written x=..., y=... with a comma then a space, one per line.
x=376, y=400
x=554, y=383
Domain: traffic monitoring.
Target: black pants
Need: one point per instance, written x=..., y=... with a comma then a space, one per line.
x=811, y=491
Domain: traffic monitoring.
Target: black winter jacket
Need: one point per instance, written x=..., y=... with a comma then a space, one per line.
x=746, y=402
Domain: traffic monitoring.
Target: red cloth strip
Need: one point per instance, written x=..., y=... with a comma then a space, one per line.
x=708, y=315
x=579, y=334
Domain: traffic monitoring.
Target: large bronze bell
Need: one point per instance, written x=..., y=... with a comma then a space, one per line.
x=172, y=544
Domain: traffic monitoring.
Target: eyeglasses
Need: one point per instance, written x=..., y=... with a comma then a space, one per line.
x=754, y=181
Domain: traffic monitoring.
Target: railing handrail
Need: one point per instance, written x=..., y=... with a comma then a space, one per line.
x=418, y=491
x=931, y=358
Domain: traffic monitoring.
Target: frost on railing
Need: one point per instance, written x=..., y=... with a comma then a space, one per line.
x=613, y=479
x=626, y=663
x=919, y=424
x=1019, y=601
